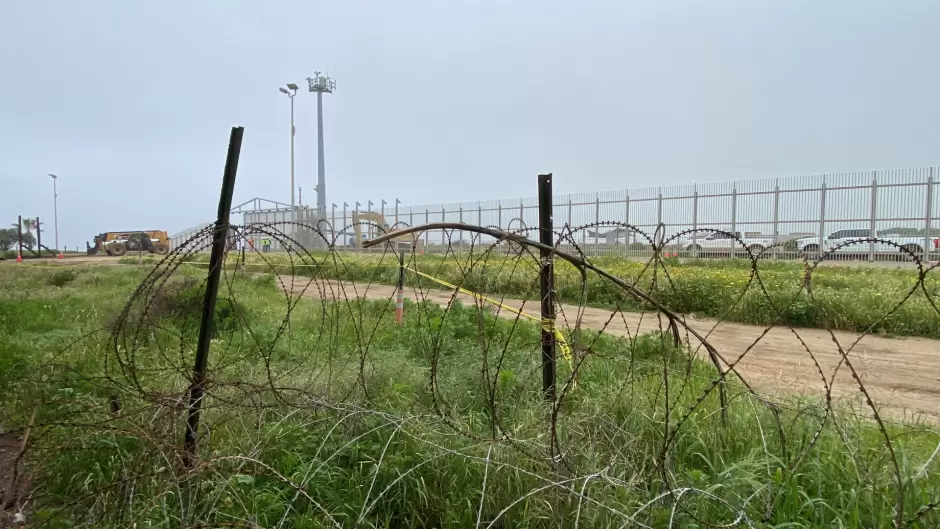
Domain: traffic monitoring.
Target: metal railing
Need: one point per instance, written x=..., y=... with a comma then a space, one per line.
x=892, y=202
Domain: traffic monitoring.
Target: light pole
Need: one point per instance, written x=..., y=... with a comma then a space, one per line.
x=290, y=92
x=55, y=211
x=321, y=84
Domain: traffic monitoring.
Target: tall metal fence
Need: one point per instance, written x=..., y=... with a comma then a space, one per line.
x=883, y=202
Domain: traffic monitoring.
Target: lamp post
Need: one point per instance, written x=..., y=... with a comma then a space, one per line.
x=290, y=91
x=55, y=211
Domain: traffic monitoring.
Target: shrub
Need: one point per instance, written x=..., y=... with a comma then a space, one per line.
x=62, y=277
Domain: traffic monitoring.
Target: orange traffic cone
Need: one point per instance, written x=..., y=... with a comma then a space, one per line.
x=60, y=255
x=19, y=257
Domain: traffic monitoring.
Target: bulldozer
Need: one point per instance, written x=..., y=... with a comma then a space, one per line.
x=118, y=243
x=402, y=242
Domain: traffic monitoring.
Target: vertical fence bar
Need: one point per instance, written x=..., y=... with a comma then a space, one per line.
x=427, y=236
x=695, y=222
x=521, y=215
x=734, y=218
x=546, y=286
x=928, y=217
x=872, y=231
x=219, y=236
x=822, y=216
x=776, y=240
x=597, y=219
x=659, y=209
x=460, y=220
x=499, y=215
x=626, y=220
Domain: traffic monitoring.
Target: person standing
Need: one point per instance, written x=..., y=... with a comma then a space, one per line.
x=266, y=245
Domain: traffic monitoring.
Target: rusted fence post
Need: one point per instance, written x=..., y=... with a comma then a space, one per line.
x=547, y=286
x=400, y=291
x=216, y=258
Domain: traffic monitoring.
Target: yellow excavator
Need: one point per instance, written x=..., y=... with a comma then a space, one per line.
x=402, y=242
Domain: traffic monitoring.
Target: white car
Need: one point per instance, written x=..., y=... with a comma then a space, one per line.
x=840, y=243
x=723, y=243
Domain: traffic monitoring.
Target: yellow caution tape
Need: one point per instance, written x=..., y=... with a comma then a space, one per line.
x=547, y=323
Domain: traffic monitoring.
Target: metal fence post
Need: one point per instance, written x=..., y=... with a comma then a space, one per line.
x=427, y=237
x=776, y=227
x=695, y=223
x=734, y=219
x=928, y=217
x=38, y=238
x=822, y=217
x=443, y=219
x=872, y=232
x=521, y=215
x=499, y=215
x=216, y=258
x=626, y=220
x=460, y=220
x=659, y=209
x=396, y=211
x=546, y=286
x=597, y=220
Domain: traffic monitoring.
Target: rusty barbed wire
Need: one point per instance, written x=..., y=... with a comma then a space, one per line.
x=325, y=365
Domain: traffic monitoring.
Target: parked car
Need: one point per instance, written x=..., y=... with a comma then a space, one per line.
x=833, y=243
x=723, y=243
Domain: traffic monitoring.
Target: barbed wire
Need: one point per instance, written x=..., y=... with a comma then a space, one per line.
x=613, y=447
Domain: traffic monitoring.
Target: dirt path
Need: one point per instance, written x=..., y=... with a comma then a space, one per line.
x=901, y=374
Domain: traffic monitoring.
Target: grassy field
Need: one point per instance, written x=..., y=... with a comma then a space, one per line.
x=333, y=421
x=877, y=300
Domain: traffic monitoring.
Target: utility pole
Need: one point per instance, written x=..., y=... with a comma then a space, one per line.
x=55, y=212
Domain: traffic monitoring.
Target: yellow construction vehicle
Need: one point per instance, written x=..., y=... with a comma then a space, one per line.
x=402, y=242
x=118, y=243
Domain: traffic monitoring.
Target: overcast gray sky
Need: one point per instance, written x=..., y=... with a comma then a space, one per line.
x=131, y=102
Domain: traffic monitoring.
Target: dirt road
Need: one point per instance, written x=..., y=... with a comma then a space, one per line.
x=901, y=374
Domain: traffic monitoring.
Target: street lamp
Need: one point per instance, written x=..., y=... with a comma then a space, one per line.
x=290, y=92
x=55, y=210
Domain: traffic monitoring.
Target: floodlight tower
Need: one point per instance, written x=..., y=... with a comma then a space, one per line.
x=321, y=84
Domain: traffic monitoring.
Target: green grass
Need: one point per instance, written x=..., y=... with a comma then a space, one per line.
x=877, y=300
x=295, y=429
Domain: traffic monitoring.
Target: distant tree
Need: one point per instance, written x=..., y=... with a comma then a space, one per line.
x=7, y=238
x=29, y=240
